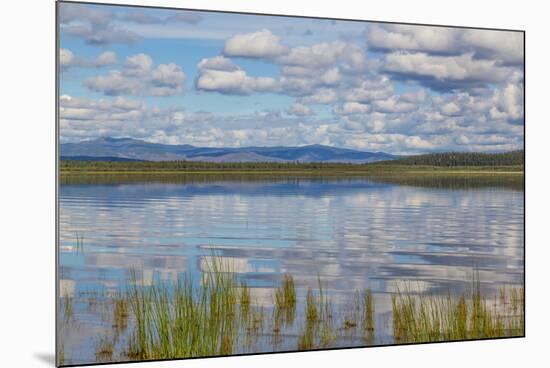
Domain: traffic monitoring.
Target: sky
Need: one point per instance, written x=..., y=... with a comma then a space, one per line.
x=234, y=80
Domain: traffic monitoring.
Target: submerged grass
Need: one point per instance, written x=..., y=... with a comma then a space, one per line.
x=285, y=304
x=368, y=315
x=428, y=318
x=105, y=349
x=318, y=330
x=66, y=307
x=285, y=295
x=121, y=313
x=218, y=316
x=188, y=321
x=79, y=242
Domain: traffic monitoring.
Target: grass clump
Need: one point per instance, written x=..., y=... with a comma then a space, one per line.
x=428, y=318
x=61, y=355
x=285, y=304
x=312, y=312
x=66, y=307
x=121, y=313
x=104, y=350
x=218, y=316
x=183, y=320
x=352, y=316
x=244, y=296
x=285, y=295
x=79, y=242
x=318, y=330
x=367, y=318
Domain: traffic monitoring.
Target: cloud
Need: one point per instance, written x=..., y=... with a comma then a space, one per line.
x=394, y=104
x=138, y=65
x=114, y=83
x=323, y=96
x=331, y=77
x=106, y=58
x=299, y=109
x=233, y=82
x=306, y=71
x=391, y=37
x=325, y=55
x=94, y=25
x=260, y=44
x=83, y=109
x=370, y=90
x=67, y=59
x=83, y=118
x=219, y=74
x=445, y=73
x=217, y=63
x=185, y=16
x=463, y=91
x=509, y=103
x=418, y=96
x=504, y=47
x=349, y=108
x=451, y=108
x=139, y=78
x=500, y=105
x=140, y=17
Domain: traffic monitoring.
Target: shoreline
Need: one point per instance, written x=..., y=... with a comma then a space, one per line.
x=385, y=171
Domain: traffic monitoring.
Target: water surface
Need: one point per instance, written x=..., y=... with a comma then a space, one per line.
x=353, y=233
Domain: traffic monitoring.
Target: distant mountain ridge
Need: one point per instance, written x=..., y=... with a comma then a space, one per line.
x=130, y=149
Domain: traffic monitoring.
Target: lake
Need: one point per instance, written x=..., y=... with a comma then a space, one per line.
x=351, y=233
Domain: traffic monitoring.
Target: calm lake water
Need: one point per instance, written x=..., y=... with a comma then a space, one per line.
x=354, y=233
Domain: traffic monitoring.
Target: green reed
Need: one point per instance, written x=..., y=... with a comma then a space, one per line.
x=219, y=316
x=285, y=295
x=105, y=349
x=61, y=355
x=244, y=296
x=318, y=330
x=186, y=321
x=79, y=242
x=285, y=304
x=66, y=307
x=367, y=315
x=427, y=318
x=121, y=313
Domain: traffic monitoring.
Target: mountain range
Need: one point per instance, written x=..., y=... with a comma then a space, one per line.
x=130, y=149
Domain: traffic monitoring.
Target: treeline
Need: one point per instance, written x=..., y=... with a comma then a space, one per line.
x=435, y=160
x=453, y=159
x=75, y=165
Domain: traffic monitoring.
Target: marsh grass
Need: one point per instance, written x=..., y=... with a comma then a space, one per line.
x=66, y=307
x=183, y=320
x=64, y=323
x=318, y=330
x=427, y=318
x=285, y=304
x=121, y=312
x=61, y=355
x=244, y=296
x=105, y=349
x=285, y=295
x=218, y=316
x=367, y=315
x=79, y=242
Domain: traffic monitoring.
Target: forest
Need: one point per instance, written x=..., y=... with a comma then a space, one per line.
x=489, y=161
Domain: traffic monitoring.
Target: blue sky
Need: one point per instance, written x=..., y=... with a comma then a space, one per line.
x=219, y=79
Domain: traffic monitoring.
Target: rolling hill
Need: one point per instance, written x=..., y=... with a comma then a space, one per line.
x=129, y=149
